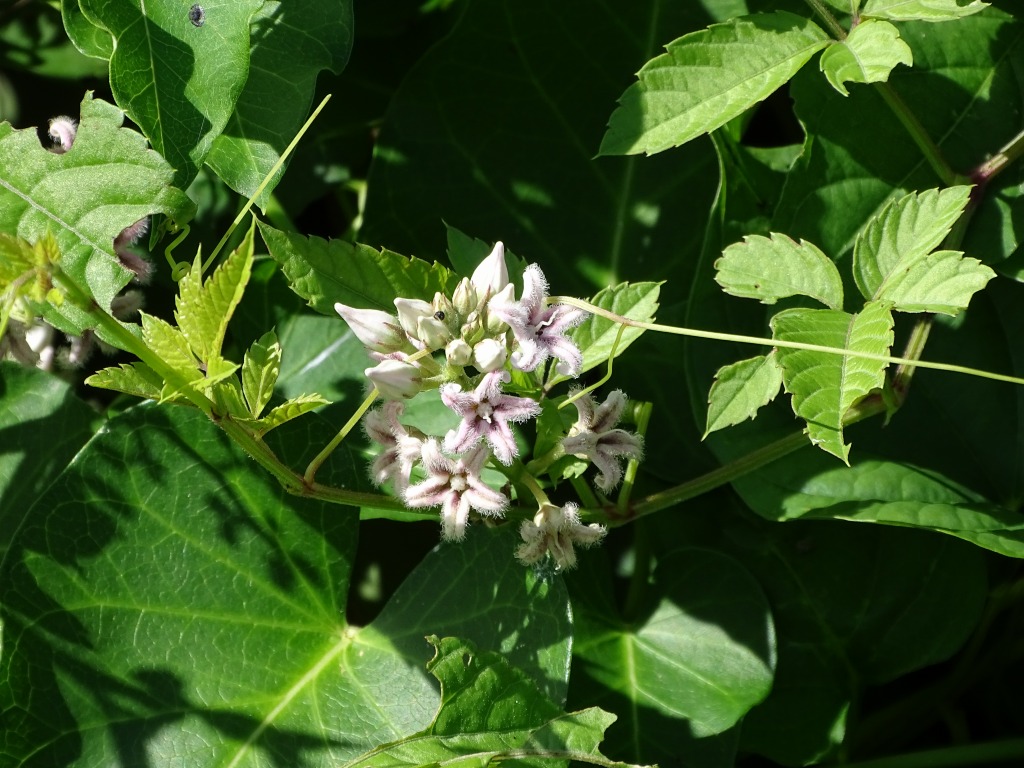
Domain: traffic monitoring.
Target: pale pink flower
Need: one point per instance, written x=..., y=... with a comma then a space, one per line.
x=540, y=329
x=402, y=448
x=63, y=131
x=486, y=413
x=594, y=437
x=553, y=531
x=456, y=486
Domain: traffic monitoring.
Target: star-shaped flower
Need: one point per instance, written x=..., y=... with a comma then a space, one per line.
x=402, y=449
x=554, y=530
x=594, y=437
x=456, y=486
x=486, y=413
x=538, y=328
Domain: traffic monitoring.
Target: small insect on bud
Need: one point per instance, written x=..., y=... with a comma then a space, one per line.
x=197, y=15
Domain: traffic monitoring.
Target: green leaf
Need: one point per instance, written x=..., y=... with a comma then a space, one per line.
x=868, y=54
x=709, y=77
x=260, y=368
x=177, y=81
x=772, y=268
x=596, y=335
x=325, y=272
x=741, y=389
x=257, y=659
x=702, y=653
x=296, y=41
x=43, y=425
x=88, y=37
x=516, y=154
x=921, y=10
x=825, y=385
x=171, y=346
x=289, y=410
x=202, y=310
x=490, y=711
x=136, y=379
x=893, y=259
x=85, y=198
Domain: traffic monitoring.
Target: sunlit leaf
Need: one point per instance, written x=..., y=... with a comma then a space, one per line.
x=260, y=369
x=741, y=389
x=772, y=268
x=709, y=77
x=921, y=10
x=825, y=385
x=868, y=54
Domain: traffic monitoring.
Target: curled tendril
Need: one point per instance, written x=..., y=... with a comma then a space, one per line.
x=178, y=268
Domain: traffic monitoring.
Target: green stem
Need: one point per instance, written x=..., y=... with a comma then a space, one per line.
x=321, y=457
x=760, y=341
x=830, y=21
x=710, y=481
x=996, y=164
x=643, y=418
x=917, y=132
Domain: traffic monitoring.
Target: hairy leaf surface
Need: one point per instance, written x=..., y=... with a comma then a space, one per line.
x=741, y=389
x=772, y=268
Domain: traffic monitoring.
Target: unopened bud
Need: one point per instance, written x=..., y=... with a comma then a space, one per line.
x=465, y=297
x=395, y=379
x=492, y=274
x=458, y=352
x=433, y=332
x=489, y=355
x=377, y=330
x=409, y=313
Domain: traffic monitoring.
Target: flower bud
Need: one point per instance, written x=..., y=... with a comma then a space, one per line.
x=458, y=352
x=409, y=313
x=395, y=379
x=378, y=331
x=489, y=355
x=432, y=332
x=465, y=297
x=492, y=274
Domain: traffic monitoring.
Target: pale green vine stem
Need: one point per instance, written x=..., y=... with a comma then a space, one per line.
x=913, y=126
x=825, y=15
x=263, y=185
x=1009, y=154
x=321, y=457
x=760, y=341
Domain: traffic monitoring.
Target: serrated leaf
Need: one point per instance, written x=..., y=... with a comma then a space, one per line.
x=179, y=82
x=868, y=54
x=136, y=379
x=328, y=271
x=825, y=385
x=168, y=343
x=892, y=259
x=203, y=309
x=921, y=10
x=260, y=368
x=297, y=40
x=709, y=77
x=289, y=410
x=107, y=181
x=491, y=711
x=596, y=336
x=741, y=389
x=772, y=268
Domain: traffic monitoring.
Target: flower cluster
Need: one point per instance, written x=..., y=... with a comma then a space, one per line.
x=471, y=347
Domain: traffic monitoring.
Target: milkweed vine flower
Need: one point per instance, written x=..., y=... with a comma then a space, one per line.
x=554, y=531
x=594, y=437
x=539, y=329
x=455, y=485
x=486, y=412
x=402, y=446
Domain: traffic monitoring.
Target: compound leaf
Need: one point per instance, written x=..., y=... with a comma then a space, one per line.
x=261, y=367
x=740, y=389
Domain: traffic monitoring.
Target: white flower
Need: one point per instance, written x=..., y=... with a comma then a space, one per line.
x=553, y=531
x=539, y=329
x=486, y=412
x=456, y=486
x=395, y=379
x=489, y=355
x=492, y=274
x=593, y=437
x=378, y=331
